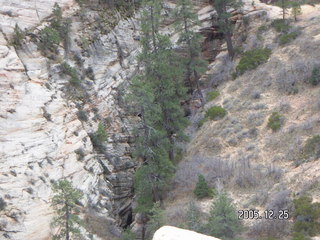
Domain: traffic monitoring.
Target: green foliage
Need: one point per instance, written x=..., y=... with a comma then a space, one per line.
x=252, y=59
x=202, y=189
x=66, y=210
x=49, y=39
x=281, y=25
x=18, y=36
x=300, y=236
x=223, y=221
x=3, y=204
x=82, y=115
x=157, y=219
x=288, y=37
x=312, y=147
x=128, y=235
x=315, y=76
x=284, y=4
x=212, y=95
x=72, y=72
x=215, y=113
x=80, y=154
x=193, y=217
x=275, y=121
x=295, y=10
x=99, y=137
x=156, y=94
x=186, y=18
x=307, y=215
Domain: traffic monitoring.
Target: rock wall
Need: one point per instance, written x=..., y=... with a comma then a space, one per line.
x=40, y=129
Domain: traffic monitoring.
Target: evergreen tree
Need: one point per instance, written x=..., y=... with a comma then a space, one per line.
x=225, y=26
x=223, y=221
x=64, y=204
x=193, y=217
x=156, y=94
x=186, y=18
x=202, y=189
x=284, y=4
x=295, y=10
x=157, y=220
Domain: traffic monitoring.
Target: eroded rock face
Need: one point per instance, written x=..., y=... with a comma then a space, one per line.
x=40, y=130
x=173, y=233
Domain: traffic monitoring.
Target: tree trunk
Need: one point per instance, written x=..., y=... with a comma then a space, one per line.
x=67, y=222
x=230, y=48
x=153, y=30
x=198, y=88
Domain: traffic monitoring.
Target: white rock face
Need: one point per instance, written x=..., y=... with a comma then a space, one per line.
x=173, y=233
x=40, y=129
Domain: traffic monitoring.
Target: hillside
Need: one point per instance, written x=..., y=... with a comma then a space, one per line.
x=66, y=114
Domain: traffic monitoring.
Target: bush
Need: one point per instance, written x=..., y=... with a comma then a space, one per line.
x=312, y=147
x=252, y=59
x=288, y=37
x=281, y=25
x=18, y=36
x=307, y=215
x=82, y=115
x=72, y=72
x=275, y=121
x=202, y=189
x=300, y=236
x=212, y=95
x=99, y=137
x=3, y=204
x=215, y=113
x=315, y=76
x=80, y=154
x=49, y=39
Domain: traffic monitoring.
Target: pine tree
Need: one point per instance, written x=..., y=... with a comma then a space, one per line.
x=223, y=221
x=193, y=217
x=296, y=10
x=156, y=94
x=64, y=204
x=157, y=220
x=186, y=19
x=202, y=189
x=225, y=26
x=284, y=4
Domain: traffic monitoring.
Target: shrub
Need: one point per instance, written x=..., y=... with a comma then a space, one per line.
x=288, y=37
x=281, y=25
x=275, y=121
x=18, y=36
x=312, y=147
x=315, y=76
x=300, y=236
x=72, y=72
x=82, y=115
x=3, y=204
x=202, y=189
x=49, y=39
x=212, y=95
x=215, y=113
x=307, y=215
x=80, y=154
x=252, y=59
x=99, y=137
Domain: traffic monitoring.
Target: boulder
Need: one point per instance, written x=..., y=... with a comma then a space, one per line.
x=173, y=233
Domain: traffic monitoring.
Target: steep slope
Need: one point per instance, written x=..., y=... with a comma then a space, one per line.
x=41, y=129
x=239, y=153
